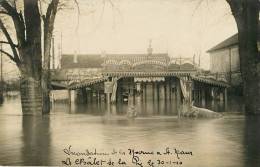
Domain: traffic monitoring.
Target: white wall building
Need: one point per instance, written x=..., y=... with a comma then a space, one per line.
x=224, y=60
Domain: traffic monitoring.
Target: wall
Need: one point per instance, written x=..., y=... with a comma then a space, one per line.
x=235, y=63
x=76, y=74
x=219, y=61
x=226, y=62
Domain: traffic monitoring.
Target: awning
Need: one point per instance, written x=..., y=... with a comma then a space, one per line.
x=149, y=79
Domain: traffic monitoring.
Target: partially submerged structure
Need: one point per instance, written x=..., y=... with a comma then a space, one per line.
x=137, y=77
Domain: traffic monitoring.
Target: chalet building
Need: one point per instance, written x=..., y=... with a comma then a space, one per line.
x=76, y=67
x=124, y=62
x=224, y=60
x=129, y=77
x=80, y=66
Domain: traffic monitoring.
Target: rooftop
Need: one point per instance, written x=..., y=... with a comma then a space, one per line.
x=231, y=41
x=82, y=61
x=96, y=60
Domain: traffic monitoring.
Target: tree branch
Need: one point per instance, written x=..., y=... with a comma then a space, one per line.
x=8, y=55
x=7, y=7
x=5, y=12
x=5, y=42
x=235, y=6
x=17, y=20
x=48, y=21
x=51, y=11
x=10, y=41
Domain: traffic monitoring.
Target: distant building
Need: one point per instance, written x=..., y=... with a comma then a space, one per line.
x=142, y=62
x=77, y=67
x=72, y=61
x=224, y=60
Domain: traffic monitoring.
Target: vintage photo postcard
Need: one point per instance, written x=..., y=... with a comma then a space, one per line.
x=130, y=83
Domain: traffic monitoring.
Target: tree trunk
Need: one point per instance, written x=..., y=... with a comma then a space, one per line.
x=35, y=84
x=246, y=13
x=46, y=92
x=31, y=96
x=48, y=32
x=31, y=60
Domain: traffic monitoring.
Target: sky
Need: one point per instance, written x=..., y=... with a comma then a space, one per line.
x=181, y=28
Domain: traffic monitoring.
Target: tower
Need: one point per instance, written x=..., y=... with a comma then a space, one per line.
x=150, y=49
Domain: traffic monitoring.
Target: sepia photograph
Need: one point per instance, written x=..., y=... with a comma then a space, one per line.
x=130, y=83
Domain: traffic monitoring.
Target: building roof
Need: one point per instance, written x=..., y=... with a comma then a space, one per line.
x=120, y=56
x=138, y=57
x=83, y=61
x=231, y=41
x=96, y=60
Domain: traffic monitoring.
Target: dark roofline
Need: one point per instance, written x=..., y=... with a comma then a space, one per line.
x=231, y=41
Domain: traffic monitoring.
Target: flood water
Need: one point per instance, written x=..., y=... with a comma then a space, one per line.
x=231, y=141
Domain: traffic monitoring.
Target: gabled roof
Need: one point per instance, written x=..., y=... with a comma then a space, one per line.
x=231, y=41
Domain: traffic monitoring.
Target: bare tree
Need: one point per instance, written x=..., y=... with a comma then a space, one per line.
x=27, y=53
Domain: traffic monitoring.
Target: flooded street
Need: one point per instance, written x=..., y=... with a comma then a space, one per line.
x=113, y=83
x=231, y=141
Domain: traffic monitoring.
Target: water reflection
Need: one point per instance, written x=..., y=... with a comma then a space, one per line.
x=36, y=139
x=252, y=141
x=231, y=141
x=144, y=109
